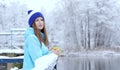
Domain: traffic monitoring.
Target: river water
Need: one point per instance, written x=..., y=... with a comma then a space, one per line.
x=89, y=63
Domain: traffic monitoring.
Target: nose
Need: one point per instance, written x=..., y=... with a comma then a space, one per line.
x=40, y=22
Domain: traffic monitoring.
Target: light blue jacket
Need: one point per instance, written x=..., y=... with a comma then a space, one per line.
x=33, y=50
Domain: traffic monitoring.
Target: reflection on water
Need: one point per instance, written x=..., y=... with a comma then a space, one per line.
x=87, y=63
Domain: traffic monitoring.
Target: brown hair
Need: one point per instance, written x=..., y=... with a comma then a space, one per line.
x=37, y=33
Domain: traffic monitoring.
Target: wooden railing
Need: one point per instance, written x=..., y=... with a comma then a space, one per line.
x=13, y=39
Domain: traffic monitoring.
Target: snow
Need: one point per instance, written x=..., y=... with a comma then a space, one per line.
x=6, y=57
x=15, y=68
x=18, y=29
x=5, y=33
x=95, y=54
x=20, y=51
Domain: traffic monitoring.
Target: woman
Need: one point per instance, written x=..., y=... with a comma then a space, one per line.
x=36, y=53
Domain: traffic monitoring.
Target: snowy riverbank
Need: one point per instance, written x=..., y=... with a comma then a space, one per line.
x=100, y=53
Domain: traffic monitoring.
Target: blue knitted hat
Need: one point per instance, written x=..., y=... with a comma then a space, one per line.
x=32, y=15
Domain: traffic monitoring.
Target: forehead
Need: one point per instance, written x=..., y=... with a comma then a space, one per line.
x=39, y=18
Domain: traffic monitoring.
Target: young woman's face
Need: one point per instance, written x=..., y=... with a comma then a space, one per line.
x=39, y=22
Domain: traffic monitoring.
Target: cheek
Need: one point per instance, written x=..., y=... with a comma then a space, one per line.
x=36, y=24
x=42, y=23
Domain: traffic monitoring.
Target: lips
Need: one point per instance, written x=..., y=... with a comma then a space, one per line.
x=40, y=25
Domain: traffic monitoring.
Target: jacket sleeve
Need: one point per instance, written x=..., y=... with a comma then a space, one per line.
x=44, y=62
x=33, y=48
x=41, y=62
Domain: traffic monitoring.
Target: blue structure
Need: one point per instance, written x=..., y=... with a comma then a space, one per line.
x=20, y=60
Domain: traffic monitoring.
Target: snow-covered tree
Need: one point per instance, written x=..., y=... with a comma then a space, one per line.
x=13, y=15
x=88, y=24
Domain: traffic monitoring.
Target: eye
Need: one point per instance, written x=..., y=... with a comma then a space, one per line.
x=41, y=19
x=36, y=19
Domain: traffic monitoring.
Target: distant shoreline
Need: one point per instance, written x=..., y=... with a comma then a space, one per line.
x=94, y=53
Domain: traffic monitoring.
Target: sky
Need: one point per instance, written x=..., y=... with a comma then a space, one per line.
x=36, y=4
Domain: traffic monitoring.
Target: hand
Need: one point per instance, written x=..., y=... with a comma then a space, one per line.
x=56, y=52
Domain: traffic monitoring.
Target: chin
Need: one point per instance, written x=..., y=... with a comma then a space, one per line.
x=41, y=28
